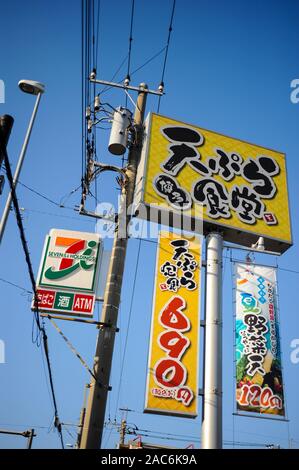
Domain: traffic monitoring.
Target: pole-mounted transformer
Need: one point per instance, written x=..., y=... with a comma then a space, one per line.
x=119, y=132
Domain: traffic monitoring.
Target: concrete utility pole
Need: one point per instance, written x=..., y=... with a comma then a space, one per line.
x=212, y=408
x=122, y=432
x=96, y=405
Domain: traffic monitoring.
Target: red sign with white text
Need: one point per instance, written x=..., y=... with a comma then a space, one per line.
x=64, y=302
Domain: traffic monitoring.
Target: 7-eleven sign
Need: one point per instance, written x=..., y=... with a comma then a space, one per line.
x=70, y=264
x=70, y=260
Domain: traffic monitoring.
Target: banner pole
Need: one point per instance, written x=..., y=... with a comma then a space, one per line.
x=212, y=407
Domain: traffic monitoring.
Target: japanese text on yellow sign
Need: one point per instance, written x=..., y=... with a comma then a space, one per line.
x=172, y=380
x=242, y=187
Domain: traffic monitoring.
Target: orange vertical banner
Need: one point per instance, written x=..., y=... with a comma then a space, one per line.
x=172, y=376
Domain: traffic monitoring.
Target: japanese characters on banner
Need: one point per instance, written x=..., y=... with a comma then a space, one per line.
x=241, y=186
x=172, y=377
x=68, y=273
x=259, y=385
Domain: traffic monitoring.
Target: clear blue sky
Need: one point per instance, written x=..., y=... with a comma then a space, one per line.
x=229, y=69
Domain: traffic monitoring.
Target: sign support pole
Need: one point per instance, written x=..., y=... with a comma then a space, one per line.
x=212, y=408
x=96, y=406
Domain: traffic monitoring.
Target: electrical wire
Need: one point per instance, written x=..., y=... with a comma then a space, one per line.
x=107, y=87
x=166, y=50
x=16, y=285
x=185, y=438
x=128, y=327
x=148, y=61
x=41, y=328
x=37, y=193
x=34, y=211
x=154, y=434
x=130, y=46
x=72, y=348
x=82, y=93
x=97, y=33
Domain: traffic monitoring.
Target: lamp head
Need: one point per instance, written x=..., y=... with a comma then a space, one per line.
x=32, y=87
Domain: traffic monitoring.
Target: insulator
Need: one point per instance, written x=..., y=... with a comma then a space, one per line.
x=127, y=80
x=88, y=112
x=97, y=103
x=93, y=74
x=161, y=87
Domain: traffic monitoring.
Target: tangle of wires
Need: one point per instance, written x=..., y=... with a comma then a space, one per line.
x=95, y=114
x=41, y=336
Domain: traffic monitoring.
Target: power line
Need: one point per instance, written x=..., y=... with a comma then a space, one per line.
x=129, y=323
x=37, y=193
x=149, y=60
x=41, y=329
x=35, y=211
x=178, y=437
x=154, y=434
x=97, y=33
x=166, y=50
x=130, y=45
x=72, y=348
x=16, y=285
x=106, y=88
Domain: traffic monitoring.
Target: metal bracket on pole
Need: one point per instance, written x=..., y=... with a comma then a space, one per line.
x=216, y=391
x=127, y=87
x=82, y=211
x=99, y=324
x=255, y=250
x=216, y=322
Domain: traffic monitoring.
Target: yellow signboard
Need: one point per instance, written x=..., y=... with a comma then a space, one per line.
x=172, y=378
x=241, y=187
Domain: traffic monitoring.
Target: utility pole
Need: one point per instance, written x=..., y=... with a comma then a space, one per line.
x=122, y=432
x=82, y=417
x=30, y=437
x=96, y=405
x=212, y=407
x=6, y=123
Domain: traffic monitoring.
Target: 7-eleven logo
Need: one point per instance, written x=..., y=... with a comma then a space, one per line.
x=72, y=259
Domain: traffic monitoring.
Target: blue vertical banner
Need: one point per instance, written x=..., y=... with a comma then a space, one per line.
x=259, y=384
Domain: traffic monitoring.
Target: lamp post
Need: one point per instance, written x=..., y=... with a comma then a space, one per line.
x=33, y=88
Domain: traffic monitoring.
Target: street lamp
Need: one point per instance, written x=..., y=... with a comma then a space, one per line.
x=33, y=88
